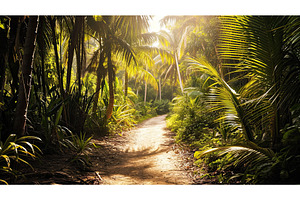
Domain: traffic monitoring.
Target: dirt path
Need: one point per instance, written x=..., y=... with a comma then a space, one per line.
x=143, y=156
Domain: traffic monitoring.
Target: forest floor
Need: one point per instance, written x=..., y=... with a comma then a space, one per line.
x=145, y=155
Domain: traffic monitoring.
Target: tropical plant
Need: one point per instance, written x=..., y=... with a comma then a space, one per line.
x=224, y=98
x=263, y=51
x=25, y=78
x=17, y=149
x=79, y=145
x=117, y=37
x=176, y=40
x=257, y=51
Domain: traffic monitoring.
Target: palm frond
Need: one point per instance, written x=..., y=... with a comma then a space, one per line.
x=261, y=50
x=222, y=96
x=165, y=55
x=244, y=156
x=121, y=47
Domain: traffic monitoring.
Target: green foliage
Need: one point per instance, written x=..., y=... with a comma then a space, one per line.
x=145, y=110
x=253, y=48
x=51, y=115
x=122, y=118
x=191, y=120
x=161, y=107
x=79, y=145
x=16, y=150
x=237, y=110
x=78, y=106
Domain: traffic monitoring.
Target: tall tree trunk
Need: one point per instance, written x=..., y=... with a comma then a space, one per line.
x=2, y=76
x=13, y=63
x=25, y=77
x=78, y=75
x=82, y=60
x=58, y=67
x=3, y=54
x=43, y=75
x=73, y=42
x=111, y=86
x=126, y=82
x=96, y=98
x=80, y=55
x=100, y=77
x=159, y=88
x=145, y=96
x=178, y=71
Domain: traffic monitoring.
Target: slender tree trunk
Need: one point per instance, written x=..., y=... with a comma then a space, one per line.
x=58, y=67
x=159, y=88
x=13, y=65
x=157, y=92
x=3, y=53
x=25, y=77
x=73, y=39
x=126, y=82
x=100, y=76
x=145, y=96
x=43, y=75
x=179, y=77
x=2, y=76
x=80, y=56
x=78, y=68
x=96, y=98
x=82, y=60
x=111, y=86
x=2, y=71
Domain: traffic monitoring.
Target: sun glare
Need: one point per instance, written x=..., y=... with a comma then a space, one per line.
x=155, y=24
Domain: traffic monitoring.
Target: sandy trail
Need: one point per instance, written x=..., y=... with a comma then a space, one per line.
x=142, y=156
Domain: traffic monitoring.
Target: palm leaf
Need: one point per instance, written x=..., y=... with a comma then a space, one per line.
x=222, y=96
x=249, y=156
x=258, y=49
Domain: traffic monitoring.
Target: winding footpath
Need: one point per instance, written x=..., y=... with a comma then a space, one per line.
x=142, y=156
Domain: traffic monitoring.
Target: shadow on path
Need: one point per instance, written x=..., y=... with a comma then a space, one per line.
x=141, y=156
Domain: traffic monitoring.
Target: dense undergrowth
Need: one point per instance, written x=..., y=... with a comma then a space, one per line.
x=235, y=79
x=224, y=154
x=80, y=77
x=245, y=124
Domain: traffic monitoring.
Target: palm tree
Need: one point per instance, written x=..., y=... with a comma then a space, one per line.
x=72, y=44
x=25, y=77
x=263, y=49
x=143, y=73
x=189, y=37
x=153, y=59
x=53, y=21
x=176, y=39
x=117, y=32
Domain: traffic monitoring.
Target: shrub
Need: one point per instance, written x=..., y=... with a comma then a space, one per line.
x=16, y=150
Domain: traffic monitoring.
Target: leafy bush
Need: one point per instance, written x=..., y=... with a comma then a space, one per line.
x=144, y=110
x=255, y=165
x=191, y=120
x=16, y=150
x=79, y=145
x=161, y=107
